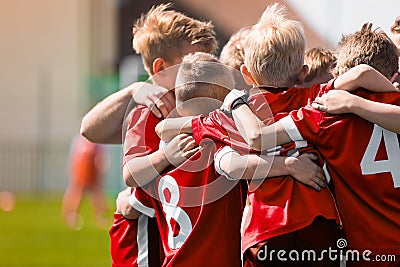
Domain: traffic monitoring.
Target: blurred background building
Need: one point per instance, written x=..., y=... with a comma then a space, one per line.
x=60, y=57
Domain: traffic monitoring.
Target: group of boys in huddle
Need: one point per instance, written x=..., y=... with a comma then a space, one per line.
x=233, y=162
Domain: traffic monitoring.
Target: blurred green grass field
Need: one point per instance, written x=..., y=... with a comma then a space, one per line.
x=33, y=234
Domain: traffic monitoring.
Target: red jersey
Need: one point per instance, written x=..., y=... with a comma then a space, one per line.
x=134, y=242
x=280, y=205
x=198, y=213
x=141, y=138
x=363, y=160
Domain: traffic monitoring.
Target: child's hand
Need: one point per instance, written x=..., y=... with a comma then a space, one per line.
x=181, y=147
x=335, y=102
x=123, y=206
x=158, y=99
x=306, y=171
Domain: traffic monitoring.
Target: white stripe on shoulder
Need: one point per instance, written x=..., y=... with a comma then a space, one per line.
x=291, y=128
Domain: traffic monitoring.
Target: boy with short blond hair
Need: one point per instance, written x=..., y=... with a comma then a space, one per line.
x=277, y=204
x=162, y=37
x=320, y=62
x=232, y=54
x=198, y=226
x=361, y=171
x=168, y=34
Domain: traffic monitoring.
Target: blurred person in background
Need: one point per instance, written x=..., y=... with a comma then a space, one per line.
x=87, y=165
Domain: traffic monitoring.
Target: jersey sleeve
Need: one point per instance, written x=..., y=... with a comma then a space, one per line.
x=218, y=126
x=320, y=89
x=141, y=138
x=141, y=201
x=303, y=124
x=205, y=127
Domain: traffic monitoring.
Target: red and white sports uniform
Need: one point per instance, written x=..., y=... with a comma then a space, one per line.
x=363, y=160
x=280, y=205
x=198, y=213
x=137, y=241
x=134, y=243
x=141, y=138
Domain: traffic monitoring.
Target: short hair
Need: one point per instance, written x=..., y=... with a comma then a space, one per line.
x=202, y=75
x=162, y=33
x=395, y=29
x=232, y=53
x=319, y=61
x=367, y=46
x=274, y=49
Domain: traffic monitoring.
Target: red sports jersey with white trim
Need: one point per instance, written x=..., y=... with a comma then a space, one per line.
x=141, y=138
x=198, y=213
x=134, y=242
x=363, y=160
x=280, y=205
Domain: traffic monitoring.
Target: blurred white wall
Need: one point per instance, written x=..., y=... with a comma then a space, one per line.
x=331, y=19
x=48, y=50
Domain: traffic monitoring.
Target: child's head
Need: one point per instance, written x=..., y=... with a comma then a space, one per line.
x=201, y=84
x=395, y=33
x=232, y=53
x=320, y=62
x=367, y=46
x=274, y=50
x=163, y=37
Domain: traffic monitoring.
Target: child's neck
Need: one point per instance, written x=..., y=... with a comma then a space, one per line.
x=266, y=88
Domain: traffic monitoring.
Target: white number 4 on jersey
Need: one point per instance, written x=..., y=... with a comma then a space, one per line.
x=368, y=163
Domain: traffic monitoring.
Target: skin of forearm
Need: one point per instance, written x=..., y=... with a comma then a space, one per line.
x=142, y=170
x=384, y=115
x=169, y=128
x=366, y=77
x=103, y=123
x=250, y=167
x=248, y=125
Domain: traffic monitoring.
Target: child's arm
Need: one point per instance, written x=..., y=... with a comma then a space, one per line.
x=103, y=123
x=169, y=128
x=235, y=166
x=338, y=102
x=364, y=76
x=140, y=171
x=257, y=135
x=124, y=207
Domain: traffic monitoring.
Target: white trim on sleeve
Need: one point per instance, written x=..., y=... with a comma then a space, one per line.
x=140, y=207
x=217, y=161
x=291, y=128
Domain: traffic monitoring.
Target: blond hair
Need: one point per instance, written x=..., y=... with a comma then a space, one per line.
x=395, y=29
x=367, y=46
x=232, y=53
x=274, y=50
x=162, y=33
x=202, y=75
x=320, y=61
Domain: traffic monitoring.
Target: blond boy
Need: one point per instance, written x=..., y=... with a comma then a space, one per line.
x=162, y=37
x=352, y=148
x=320, y=62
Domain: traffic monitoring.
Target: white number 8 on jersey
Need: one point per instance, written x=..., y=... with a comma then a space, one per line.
x=172, y=210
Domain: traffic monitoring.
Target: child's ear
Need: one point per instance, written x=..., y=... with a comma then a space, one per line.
x=302, y=75
x=248, y=78
x=394, y=77
x=159, y=64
